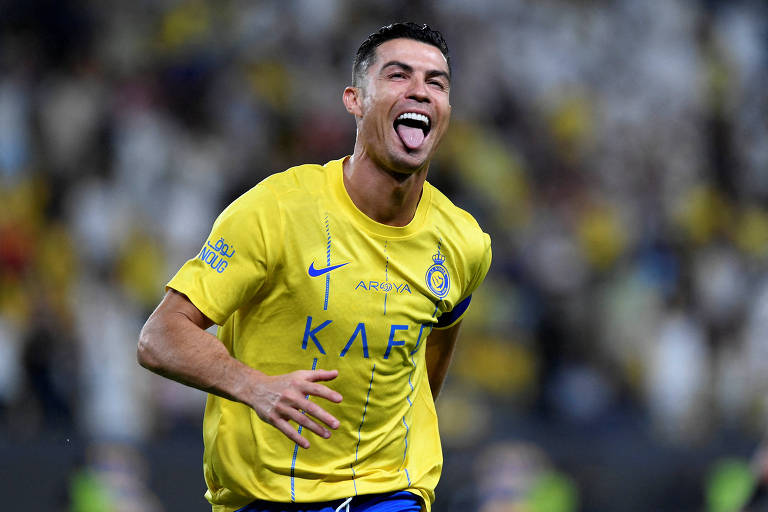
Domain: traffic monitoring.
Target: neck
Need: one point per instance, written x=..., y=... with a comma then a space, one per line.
x=386, y=196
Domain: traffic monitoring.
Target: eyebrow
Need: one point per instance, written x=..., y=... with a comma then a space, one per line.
x=409, y=69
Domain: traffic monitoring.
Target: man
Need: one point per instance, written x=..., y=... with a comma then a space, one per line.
x=359, y=266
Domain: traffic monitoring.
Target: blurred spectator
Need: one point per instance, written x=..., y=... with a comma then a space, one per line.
x=616, y=152
x=517, y=477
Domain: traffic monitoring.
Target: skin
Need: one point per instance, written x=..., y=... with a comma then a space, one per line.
x=174, y=343
x=440, y=347
x=384, y=178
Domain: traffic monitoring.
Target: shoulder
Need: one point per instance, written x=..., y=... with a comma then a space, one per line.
x=301, y=178
x=454, y=220
x=463, y=238
x=278, y=188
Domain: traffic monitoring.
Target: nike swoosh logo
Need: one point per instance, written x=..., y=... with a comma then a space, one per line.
x=314, y=272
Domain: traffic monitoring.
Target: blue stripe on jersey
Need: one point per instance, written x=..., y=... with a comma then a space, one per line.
x=386, y=276
x=327, y=289
x=448, y=318
x=327, y=262
x=410, y=405
x=405, y=451
x=359, y=429
x=409, y=381
x=408, y=397
x=296, y=450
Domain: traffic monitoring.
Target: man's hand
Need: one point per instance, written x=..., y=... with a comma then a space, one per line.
x=174, y=344
x=283, y=398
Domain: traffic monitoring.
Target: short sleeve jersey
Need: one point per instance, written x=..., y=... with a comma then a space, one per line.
x=298, y=278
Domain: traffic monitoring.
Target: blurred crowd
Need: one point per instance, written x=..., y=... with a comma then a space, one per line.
x=615, y=150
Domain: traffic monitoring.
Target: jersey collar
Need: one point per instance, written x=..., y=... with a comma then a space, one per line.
x=336, y=176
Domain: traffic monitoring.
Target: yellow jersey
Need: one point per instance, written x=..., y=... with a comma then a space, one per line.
x=298, y=278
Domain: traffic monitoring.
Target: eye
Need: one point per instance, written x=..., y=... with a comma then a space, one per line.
x=437, y=83
x=397, y=74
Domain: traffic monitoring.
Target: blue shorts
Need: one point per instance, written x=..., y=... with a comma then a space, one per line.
x=401, y=501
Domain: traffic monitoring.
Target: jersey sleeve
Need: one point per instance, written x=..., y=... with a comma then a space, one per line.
x=482, y=263
x=236, y=258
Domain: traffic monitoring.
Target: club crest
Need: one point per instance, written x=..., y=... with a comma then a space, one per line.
x=438, y=280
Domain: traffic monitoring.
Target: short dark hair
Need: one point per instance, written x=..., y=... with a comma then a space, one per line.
x=366, y=54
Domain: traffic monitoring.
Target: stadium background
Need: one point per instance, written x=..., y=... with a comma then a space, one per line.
x=615, y=150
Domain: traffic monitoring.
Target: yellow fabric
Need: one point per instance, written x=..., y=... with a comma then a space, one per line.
x=369, y=319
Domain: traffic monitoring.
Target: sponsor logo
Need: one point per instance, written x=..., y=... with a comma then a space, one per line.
x=383, y=286
x=314, y=272
x=438, y=280
x=217, y=255
x=399, y=336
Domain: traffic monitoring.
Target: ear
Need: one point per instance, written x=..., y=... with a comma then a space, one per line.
x=353, y=100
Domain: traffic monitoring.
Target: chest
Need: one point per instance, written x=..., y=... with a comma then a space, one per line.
x=354, y=291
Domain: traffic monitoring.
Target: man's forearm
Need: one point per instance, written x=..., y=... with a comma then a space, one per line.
x=174, y=344
x=171, y=345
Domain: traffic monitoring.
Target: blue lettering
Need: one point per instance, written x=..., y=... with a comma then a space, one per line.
x=310, y=333
x=392, y=341
x=384, y=286
x=359, y=329
x=209, y=256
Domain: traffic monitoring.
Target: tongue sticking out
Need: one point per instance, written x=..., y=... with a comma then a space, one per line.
x=411, y=137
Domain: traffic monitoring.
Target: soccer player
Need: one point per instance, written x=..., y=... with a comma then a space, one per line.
x=339, y=290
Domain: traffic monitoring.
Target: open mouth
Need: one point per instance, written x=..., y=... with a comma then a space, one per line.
x=412, y=128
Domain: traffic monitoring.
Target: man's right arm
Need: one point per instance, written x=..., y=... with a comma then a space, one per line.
x=174, y=343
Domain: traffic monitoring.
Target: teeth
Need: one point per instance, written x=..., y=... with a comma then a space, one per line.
x=416, y=117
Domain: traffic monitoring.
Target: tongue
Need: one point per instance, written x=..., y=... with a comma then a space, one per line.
x=411, y=137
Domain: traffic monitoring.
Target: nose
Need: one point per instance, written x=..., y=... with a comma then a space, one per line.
x=418, y=90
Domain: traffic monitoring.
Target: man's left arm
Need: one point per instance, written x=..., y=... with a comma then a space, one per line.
x=440, y=346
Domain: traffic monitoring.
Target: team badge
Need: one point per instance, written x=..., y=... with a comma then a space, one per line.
x=438, y=280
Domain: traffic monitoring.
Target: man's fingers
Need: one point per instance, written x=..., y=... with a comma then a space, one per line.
x=321, y=391
x=315, y=375
x=318, y=412
x=286, y=428
x=307, y=422
x=291, y=403
x=311, y=408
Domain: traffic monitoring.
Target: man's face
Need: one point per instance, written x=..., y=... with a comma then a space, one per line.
x=404, y=106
